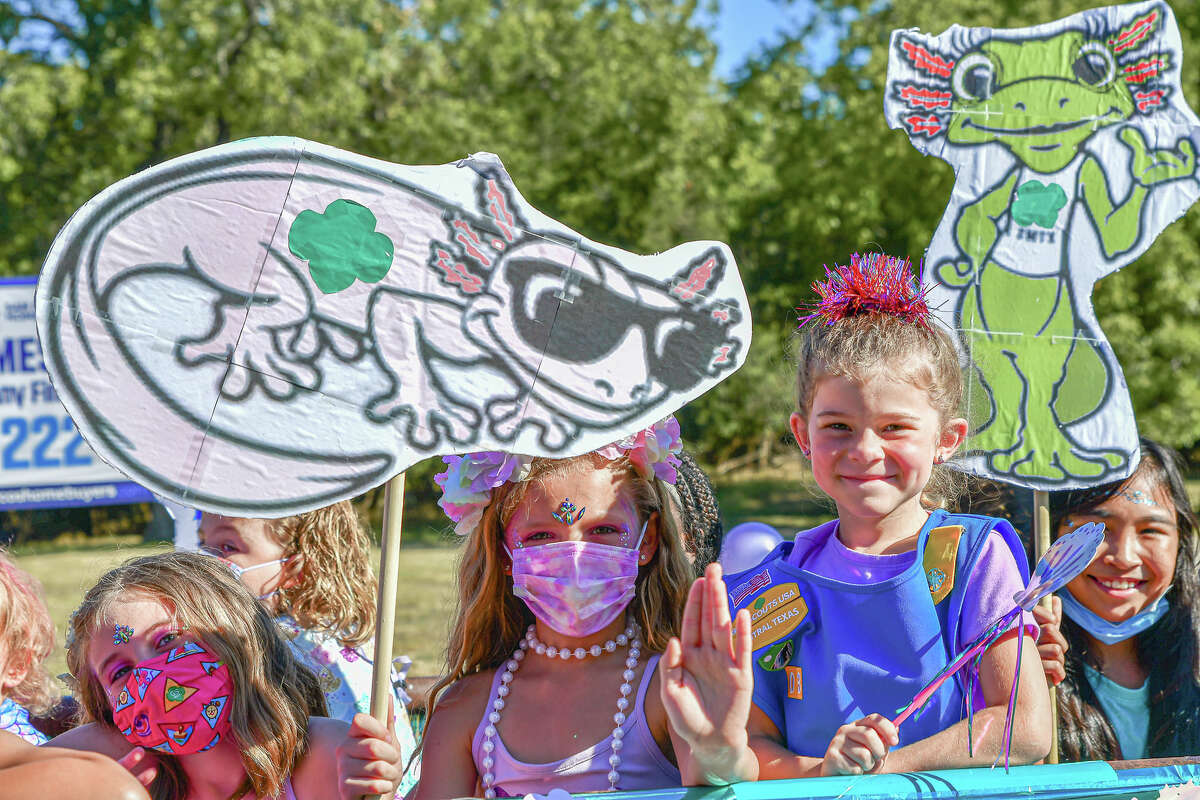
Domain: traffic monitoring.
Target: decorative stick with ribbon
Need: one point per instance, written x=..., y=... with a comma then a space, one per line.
x=1065, y=559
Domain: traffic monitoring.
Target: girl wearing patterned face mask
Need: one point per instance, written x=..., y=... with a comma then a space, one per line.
x=1132, y=689
x=183, y=675
x=572, y=581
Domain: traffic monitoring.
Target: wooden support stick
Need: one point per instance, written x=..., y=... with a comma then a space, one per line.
x=385, y=611
x=1041, y=543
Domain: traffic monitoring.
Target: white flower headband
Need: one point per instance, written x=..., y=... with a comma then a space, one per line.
x=469, y=479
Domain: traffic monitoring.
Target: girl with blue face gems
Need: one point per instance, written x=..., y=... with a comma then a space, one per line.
x=1132, y=687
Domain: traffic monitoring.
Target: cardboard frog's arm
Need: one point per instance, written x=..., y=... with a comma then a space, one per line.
x=1119, y=224
x=976, y=231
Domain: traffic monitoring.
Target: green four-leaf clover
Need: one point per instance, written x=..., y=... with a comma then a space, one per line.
x=341, y=245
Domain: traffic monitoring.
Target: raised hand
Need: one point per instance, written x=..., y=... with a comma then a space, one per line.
x=860, y=747
x=707, y=683
x=1051, y=644
x=1151, y=167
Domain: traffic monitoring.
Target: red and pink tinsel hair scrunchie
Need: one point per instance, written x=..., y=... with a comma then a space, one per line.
x=874, y=283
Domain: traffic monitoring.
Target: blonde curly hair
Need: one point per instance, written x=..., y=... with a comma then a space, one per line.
x=327, y=582
x=273, y=694
x=26, y=637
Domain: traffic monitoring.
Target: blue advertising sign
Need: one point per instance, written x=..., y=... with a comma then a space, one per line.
x=44, y=462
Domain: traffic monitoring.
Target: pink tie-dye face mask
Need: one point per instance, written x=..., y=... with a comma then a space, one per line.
x=577, y=588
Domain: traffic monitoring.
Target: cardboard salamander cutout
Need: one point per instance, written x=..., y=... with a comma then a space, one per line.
x=1073, y=148
x=272, y=325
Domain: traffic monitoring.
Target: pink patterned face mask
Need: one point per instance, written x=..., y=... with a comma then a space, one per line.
x=577, y=588
x=177, y=703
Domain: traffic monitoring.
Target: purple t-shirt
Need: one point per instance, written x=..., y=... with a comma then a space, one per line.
x=988, y=592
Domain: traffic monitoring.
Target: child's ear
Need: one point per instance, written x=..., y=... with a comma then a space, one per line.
x=649, y=544
x=14, y=672
x=954, y=432
x=799, y=426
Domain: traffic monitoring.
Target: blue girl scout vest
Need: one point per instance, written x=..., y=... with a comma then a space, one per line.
x=828, y=652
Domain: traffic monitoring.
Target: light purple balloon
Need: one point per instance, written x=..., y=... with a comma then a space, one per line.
x=747, y=544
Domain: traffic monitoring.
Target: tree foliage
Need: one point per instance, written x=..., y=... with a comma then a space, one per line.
x=830, y=177
x=609, y=117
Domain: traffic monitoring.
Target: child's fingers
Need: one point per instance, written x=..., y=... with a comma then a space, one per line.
x=717, y=609
x=883, y=727
x=364, y=726
x=141, y=765
x=859, y=755
x=132, y=758
x=742, y=647
x=671, y=663
x=866, y=739
x=689, y=633
x=1053, y=663
x=367, y=787
x=1049, y=630
x=371, y=750
x=721, y=608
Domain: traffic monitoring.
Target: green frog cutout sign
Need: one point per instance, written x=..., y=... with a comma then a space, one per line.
x=1073, y=148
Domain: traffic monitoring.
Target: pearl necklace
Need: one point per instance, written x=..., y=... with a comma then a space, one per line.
x=510, y=669
x=553, y=652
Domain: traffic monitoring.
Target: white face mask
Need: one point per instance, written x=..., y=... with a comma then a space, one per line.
x=239, y=571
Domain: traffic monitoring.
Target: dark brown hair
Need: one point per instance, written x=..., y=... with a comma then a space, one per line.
x=700, y=516
x=1169, y=650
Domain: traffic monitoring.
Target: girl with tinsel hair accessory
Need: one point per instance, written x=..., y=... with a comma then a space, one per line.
x=853, y=618
x=572, y=582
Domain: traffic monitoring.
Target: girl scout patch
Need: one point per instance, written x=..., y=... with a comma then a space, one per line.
x=778, y=656
x=941, y=554
x=776, y=613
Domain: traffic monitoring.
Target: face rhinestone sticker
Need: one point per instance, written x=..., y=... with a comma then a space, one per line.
x=567, y=514
x=122, y=634
x=1138, y=497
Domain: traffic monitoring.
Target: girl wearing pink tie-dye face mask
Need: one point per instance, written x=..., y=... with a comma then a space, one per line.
x=572, y=584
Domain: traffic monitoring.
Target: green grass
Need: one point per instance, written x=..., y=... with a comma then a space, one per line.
x=786, y=499
x=424, y=595
x=427, y=566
